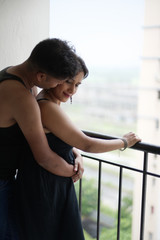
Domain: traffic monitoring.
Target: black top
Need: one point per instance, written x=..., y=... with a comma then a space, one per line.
x=8, y=76
x=11, y=140
x=61, y=148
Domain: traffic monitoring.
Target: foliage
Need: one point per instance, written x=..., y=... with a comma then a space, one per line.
x=87, y=236
x=126, y=223
x=89, y=196
x=89, y=204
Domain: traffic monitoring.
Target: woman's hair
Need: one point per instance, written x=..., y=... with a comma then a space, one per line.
x=56, y=58
x=82, y=67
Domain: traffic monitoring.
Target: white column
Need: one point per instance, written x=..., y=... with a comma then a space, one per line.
x=22, y=25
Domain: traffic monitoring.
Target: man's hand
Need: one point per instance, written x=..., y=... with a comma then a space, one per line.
x=78, y=166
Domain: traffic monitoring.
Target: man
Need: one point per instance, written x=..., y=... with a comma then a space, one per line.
x=51, y=62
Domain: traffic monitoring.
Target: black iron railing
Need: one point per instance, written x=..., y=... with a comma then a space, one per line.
x=146, y=149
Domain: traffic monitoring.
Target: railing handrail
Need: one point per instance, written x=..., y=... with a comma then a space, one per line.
x=141, y=146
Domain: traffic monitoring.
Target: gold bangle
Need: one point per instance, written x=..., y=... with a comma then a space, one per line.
x=125, y=144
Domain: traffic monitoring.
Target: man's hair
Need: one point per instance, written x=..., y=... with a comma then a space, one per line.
x=56, y=58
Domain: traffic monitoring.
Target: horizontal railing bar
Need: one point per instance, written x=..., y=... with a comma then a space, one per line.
x=153, y=174
x=141, y=146
x=120, y=165
x=114, y=164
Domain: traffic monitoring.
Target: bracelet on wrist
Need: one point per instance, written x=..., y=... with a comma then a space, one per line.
x=125, y=144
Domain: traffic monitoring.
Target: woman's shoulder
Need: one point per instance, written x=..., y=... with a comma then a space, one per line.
x=50, y=110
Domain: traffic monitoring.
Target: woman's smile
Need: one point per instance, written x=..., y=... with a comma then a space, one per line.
x=66, y=94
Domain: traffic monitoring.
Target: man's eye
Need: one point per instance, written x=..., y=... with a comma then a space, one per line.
x=68, y=81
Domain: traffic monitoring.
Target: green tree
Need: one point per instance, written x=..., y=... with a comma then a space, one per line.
x=89, y=204
x=125, y=224
x=89, y=196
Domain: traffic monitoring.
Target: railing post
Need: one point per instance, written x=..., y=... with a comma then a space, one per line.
x=119, y=203
x=146, y=148
x=80, y=195
x=143, y=203
x=99, y=199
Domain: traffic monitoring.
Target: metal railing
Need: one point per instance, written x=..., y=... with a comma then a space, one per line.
x=146, y=149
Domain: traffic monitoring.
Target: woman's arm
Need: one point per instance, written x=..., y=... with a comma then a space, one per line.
x=56, y=121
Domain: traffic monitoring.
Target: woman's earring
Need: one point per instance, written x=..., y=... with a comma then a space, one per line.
x=70, y=100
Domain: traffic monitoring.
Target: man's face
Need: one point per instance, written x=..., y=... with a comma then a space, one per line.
x=46, y=81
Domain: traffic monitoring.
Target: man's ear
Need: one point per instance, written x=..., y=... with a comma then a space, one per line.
x=41, y=77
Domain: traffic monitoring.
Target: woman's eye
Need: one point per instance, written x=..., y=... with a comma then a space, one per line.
x=77, y=85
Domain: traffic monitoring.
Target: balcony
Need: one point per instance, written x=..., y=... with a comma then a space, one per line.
x=97, y=219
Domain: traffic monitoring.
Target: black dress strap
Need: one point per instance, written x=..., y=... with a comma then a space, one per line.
x=42, y=99
x=4, y=75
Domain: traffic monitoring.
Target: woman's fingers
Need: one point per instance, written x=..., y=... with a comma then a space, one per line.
x=131, y=138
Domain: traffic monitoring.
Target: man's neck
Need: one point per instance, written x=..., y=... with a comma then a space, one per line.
x=24, y=72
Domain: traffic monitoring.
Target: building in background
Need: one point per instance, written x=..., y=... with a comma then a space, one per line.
x=149, y=121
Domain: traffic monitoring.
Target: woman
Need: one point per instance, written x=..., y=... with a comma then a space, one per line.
x=47, y=203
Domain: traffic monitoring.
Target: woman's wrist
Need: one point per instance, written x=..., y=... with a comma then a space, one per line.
x=125, y=144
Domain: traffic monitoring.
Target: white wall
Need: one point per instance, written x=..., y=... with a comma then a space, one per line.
x=22, y=25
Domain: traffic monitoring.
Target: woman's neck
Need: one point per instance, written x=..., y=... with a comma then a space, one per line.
x=46, y=93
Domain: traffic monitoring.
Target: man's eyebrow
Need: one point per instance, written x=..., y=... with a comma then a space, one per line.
x=70, y=79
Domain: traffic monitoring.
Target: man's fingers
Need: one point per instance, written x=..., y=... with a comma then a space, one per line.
x=76, y=166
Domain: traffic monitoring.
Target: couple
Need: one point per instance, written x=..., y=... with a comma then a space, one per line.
x=37, y=138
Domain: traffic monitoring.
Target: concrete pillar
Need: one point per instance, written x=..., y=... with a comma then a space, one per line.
x=22, y=25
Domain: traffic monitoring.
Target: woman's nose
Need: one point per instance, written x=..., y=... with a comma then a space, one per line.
x=71, y=89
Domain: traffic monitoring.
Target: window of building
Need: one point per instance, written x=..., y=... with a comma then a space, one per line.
x=150, y=236
x=152, y=209
x=153, y=181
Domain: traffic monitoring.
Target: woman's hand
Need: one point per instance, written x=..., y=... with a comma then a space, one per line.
x=131, y=139
x=78, y=167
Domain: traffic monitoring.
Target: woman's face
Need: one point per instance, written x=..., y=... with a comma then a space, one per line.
x=67, y=89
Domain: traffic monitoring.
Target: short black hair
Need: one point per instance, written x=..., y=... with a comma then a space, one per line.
x=55, y=57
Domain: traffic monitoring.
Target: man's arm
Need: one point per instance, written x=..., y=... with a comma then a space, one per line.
x=25, y=111
x=78, y=167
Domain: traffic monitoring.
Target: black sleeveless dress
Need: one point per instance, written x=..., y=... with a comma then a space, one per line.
x=47, y=203
x=12, y=141
x=12, y=147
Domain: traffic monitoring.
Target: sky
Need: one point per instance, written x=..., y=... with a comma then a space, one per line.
x=106, y=33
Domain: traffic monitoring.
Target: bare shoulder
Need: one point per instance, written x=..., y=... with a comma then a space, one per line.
x=12, y=89
x=14, y=99
x=52, y=115
x=55, y=120
x=47, y=107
